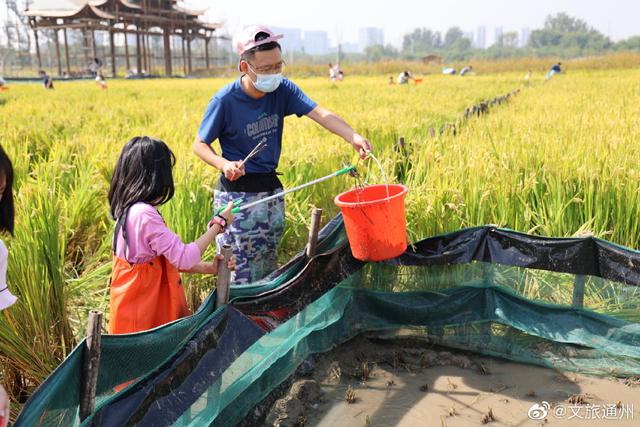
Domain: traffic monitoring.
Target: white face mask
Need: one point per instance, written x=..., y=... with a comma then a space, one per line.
x=266, y=82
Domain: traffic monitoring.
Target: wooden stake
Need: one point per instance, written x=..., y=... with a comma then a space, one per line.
x=580, y=280
x=314, y=229
x=91, y=364
x=224, y=277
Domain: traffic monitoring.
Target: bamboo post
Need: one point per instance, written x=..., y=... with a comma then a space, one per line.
x=66, y=52
x=91, y=363
x=59, y=62
x=224, y=277
x=579, y=281
x=578, y=291
x=312, y=243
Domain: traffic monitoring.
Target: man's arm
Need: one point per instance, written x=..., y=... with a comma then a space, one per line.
x=335, y=124
x=231, y=170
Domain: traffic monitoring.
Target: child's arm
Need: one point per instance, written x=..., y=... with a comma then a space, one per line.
x=163, y=241
x=211, y=267
x=209, y=236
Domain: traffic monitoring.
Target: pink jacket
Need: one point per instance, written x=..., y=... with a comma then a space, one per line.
x=148, y=237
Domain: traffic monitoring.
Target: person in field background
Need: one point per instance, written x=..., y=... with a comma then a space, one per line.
x=241, y=115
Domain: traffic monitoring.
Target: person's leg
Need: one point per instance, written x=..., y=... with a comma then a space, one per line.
x=232, y=234
x=254, y=234
x=276, y=212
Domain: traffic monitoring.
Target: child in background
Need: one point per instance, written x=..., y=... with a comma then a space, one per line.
x=146, y=290
x=6, y=225
x=47, y=81
x=100, y=81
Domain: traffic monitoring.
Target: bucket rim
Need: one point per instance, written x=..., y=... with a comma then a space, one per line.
x=342, y=204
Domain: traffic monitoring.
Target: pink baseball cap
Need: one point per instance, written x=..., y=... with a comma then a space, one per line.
x=247, y=38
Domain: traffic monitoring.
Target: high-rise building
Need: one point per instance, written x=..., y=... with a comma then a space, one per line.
x=525, y=33
x=481, y=37
x=498, y=34
x=469, y=35
x=370, y=36
x=316, y=42
x=350, y=47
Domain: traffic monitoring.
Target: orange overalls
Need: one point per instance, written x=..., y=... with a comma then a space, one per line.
x=143, y=296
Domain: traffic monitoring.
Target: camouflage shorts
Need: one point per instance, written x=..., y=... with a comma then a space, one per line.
x=254, y=234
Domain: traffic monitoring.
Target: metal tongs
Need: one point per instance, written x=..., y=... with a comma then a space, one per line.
x=258, y=148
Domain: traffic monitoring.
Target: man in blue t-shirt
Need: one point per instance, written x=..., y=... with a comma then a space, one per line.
x=245, y=113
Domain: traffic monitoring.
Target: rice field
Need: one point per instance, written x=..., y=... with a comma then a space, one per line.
x=560, y=158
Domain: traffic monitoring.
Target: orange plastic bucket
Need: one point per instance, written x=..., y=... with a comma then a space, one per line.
x=374, y=217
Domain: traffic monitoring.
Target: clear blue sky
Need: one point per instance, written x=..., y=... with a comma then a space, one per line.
x=618, y=19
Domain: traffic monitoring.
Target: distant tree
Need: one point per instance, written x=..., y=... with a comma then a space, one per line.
x=378, y=52
x=564, y=34
x=632, y=43
x=509, y=39
x=421, y=40
x=563, y=23
x=452, y=35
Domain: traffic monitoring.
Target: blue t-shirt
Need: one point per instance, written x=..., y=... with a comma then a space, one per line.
x=241, y=122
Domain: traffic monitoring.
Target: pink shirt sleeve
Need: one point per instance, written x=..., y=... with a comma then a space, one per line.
x=148, y=237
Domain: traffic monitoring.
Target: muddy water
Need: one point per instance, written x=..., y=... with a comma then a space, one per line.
x=418, y=387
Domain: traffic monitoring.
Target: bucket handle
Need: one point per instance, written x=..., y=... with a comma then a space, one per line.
x=384, y=175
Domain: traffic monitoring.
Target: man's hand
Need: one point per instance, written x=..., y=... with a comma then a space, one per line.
x=362, y=146
x=233, y=170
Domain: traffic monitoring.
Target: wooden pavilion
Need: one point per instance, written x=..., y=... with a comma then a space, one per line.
x=143, y=18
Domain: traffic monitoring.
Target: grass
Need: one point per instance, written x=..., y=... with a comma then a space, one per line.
x=559, y=159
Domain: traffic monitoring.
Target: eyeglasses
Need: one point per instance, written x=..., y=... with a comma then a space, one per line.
x=269, y=69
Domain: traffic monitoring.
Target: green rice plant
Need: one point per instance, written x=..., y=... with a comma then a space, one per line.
x=558, y=159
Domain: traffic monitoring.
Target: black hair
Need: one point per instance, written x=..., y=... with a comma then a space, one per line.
x=142, y=174
x=7, y=213
x=267, y=46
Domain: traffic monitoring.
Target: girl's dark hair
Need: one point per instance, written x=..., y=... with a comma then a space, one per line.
x=142, y=174
x=6, y=204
